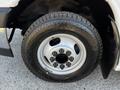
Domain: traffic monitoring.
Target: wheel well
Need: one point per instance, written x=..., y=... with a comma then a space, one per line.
x=96, y=11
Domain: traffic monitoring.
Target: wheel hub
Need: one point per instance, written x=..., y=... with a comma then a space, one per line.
x=61, y=57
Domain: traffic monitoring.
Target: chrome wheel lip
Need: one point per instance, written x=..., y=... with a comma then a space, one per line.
x=67, y=39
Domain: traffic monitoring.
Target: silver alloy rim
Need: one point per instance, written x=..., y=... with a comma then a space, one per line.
x=61, y=54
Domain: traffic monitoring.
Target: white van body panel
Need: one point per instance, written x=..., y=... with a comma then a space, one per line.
x=9, y=3
x=115, y=6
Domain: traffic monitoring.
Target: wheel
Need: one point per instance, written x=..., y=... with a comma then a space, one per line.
x=61, y=46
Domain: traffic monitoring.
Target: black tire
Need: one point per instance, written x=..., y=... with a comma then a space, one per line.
x=61, y=22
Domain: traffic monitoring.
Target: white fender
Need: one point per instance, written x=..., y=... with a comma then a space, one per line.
x=9, y=3
x=115, y=6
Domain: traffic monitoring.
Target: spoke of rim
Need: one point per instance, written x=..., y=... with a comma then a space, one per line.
x=69, y=42
x=47, y=60
x=47, y=48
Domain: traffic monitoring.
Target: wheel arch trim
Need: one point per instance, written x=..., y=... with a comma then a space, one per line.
x=114, y=4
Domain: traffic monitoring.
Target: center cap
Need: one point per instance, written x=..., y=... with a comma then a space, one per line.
x=61, y=58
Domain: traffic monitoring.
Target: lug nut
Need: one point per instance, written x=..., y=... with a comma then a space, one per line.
x=68, y=53
x=55, y=64
x=54, y=53
x=68, y=64
x=52, y=59
x=61, y=51
x=62, y=66
x=71, y=59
